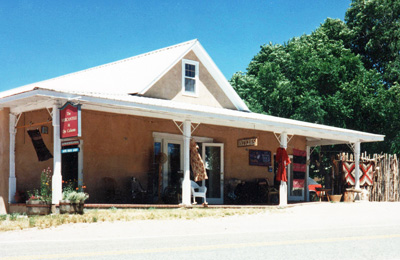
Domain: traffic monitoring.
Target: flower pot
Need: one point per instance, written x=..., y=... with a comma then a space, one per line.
x=37, y=207
x=335, y=198
x=66, y=207
x=78, y=207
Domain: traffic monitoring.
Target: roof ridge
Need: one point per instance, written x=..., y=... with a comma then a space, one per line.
x=118, y=61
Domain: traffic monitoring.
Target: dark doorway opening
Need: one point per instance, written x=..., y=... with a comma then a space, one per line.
x=69, y=167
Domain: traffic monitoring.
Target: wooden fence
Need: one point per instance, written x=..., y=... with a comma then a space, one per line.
x=386, y=179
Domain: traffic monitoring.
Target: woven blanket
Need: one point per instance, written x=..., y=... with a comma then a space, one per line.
x=366, y=173
x=42, y=152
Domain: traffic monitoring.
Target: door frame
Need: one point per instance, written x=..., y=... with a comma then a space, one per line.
x=165, y=166
x=80, y=159
x=164, y=139
x=290, y=173
x=219, y=200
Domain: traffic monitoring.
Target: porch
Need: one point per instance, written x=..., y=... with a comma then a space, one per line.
x=120, y=141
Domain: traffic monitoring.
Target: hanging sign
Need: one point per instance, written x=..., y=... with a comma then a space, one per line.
x=70, y=120
x=247, y=142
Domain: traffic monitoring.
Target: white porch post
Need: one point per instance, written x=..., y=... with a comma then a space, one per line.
x=357, y=163
x=187, y=132
x=12, y=181
x=283, y=197
x=307, y=192
x=57, y=178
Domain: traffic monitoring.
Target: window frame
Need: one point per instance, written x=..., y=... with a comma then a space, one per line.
x=196, y=77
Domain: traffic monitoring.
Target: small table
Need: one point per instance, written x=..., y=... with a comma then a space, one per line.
x=323, y=193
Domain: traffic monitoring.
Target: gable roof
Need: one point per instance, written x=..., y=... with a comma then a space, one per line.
x=133, y=75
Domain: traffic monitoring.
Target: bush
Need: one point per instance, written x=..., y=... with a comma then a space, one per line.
x=77, y=197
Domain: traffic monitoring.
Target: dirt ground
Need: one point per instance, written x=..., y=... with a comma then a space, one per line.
x=299, y=216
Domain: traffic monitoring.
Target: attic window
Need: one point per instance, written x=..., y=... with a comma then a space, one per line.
x=190, y=75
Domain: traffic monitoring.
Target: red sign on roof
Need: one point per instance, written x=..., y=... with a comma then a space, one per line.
x=70, y=120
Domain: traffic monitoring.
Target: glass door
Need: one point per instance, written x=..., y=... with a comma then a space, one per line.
x=172, y=169
x=296, y=182
x=213, y=156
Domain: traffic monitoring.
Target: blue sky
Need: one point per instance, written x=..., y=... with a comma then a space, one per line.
x=45, y=39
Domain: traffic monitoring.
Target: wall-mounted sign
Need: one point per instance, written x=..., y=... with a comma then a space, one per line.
x=70, y=143
x=70, y=120
x=70, y=150
x=253, y=141
x=259, y=158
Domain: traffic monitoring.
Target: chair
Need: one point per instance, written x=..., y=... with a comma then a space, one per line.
x=272, y=191
x=138, y=193
x=200, y=193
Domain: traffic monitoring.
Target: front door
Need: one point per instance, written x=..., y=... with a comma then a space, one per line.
x=172, y=170
x=72, y=165
x=296, y=183
x=213, y=156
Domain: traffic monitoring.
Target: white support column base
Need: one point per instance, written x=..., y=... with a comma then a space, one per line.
x=357, y=148
x=186, y=193
x=283, y=190
x=283, y=194
x=12, y=184
x=12, y=180
x=187, y=132
x=56, y=181
x=57, y=188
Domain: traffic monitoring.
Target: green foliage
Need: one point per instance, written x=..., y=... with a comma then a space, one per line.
x=320, y=78
x=44, y=193
x=14, y=216
x=77, y=197
x=45, y=185
x=69, y=188
x=375, y=27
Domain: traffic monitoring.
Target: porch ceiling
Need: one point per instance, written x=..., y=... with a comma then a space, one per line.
x=141, y=106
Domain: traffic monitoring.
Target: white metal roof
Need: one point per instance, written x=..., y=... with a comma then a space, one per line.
x=133, y=75
x=136, y=105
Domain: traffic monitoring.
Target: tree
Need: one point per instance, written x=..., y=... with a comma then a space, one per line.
x=316, y=78
x=375, y=29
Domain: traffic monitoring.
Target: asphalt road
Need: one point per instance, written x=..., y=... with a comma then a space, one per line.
x=313, y=231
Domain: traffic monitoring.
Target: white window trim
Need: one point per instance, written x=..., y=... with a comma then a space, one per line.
x=196, y=78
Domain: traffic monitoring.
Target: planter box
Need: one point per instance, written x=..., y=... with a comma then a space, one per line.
x=78, y=207
x=66, y=207
x=335, y=198
x=37, y=207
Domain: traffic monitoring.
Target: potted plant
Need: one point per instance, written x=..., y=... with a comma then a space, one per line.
x=77, y=200
x=73, y=200
x=39, y=201
x=65, y=205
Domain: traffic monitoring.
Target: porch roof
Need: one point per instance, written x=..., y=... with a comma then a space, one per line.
x=316, y=134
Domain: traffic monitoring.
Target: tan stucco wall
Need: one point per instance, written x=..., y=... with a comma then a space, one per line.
x=121, y=146
x=237, y=158
x=209, y=93
x=27, y=166
x=4, y=159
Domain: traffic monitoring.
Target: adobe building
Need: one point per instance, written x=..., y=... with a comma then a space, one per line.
x=104, y=125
